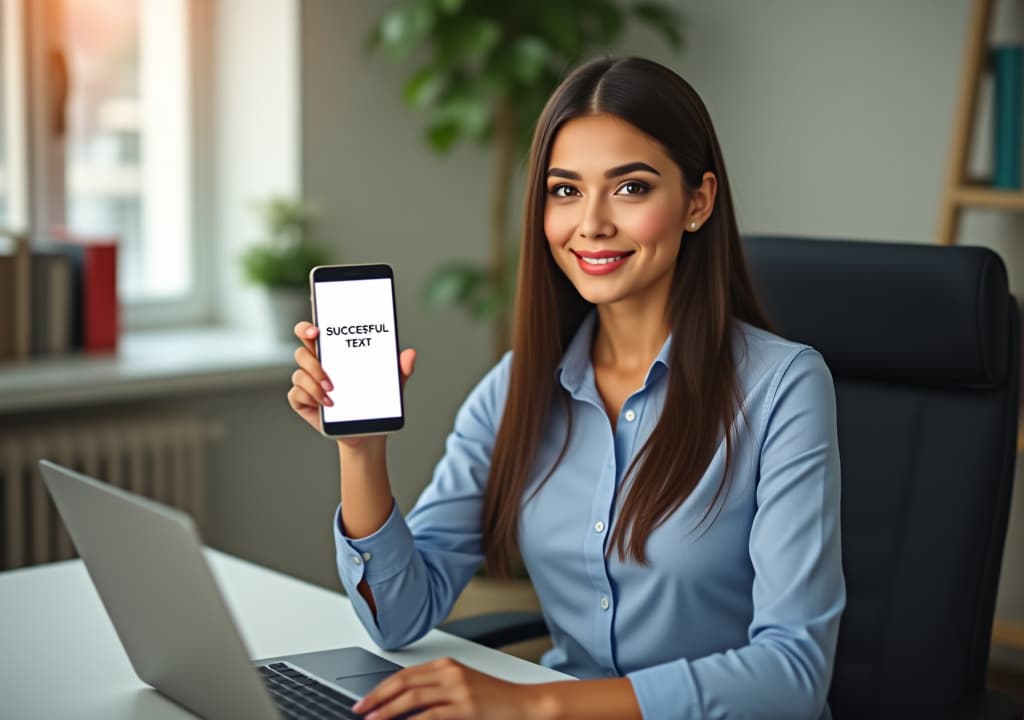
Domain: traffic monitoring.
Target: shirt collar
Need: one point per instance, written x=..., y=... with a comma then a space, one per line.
x=576, y=367
x=660, y=365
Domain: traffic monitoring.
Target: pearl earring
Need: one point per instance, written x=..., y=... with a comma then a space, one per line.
x=693, y=226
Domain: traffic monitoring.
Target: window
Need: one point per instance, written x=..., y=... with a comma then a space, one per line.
x=127, y=158
x=109, y=87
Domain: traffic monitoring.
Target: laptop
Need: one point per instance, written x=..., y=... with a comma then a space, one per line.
x=146, y=562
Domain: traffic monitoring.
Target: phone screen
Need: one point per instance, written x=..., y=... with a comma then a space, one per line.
x=358, y=348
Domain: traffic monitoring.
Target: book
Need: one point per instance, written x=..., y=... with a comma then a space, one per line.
x=52, y=302
x=6, y=307
x=1007, y=115
x=15, y=295
x=95, y=322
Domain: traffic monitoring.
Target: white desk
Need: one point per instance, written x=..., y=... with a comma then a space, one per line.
x=60, y=656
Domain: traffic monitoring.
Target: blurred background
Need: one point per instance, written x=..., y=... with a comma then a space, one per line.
x=166, y=165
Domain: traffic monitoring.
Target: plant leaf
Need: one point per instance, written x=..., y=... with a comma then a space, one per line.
x=450, y=6
x=401, y=29
x=560, y=26
x=462, y=38
x=606, y=22
x=442, y=135
x=529, y=101
x=423, y=87
x=282, y=267
x=452, y=284
x=467, y=108
x=530, y=55
x=499, y=71
x=487, y=306
x=662, y=19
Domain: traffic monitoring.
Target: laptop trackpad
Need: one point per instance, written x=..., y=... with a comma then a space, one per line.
x=344, y=665
x=362, y=684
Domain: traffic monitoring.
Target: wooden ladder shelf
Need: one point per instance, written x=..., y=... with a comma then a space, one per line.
x=958, y=192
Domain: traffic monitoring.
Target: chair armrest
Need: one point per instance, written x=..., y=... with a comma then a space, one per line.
x=499, y=628
x=986, y=705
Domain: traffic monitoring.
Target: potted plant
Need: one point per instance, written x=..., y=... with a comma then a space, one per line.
x=484, y=71
x=282, y=263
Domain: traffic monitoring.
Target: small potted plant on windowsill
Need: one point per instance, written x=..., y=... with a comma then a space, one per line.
x=281, y=265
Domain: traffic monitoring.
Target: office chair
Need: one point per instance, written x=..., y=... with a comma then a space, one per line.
x=923, y=344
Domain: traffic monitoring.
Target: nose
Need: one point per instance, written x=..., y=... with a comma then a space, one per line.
x=595, y=222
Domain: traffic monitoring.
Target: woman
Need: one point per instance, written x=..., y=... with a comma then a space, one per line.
x=666, y=466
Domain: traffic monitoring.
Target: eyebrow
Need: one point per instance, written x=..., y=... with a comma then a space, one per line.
x=611, y=173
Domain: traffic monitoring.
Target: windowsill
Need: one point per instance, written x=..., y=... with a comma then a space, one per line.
x=147, y=364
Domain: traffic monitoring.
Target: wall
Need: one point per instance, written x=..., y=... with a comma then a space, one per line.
x=387, y=199
x=835, y=119
x=255, y=144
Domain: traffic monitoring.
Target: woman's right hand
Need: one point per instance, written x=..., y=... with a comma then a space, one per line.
x=310, y=384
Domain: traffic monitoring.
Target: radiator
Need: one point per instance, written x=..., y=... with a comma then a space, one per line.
x=159, y=457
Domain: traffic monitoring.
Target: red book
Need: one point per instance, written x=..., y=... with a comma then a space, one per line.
x=99, y=288
x=95, y=260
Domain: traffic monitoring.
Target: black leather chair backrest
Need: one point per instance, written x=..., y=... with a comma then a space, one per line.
x=922, y=342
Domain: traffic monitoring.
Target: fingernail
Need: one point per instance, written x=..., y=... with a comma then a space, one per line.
x=310, y=332
x=359, y=706
x=328, y=402
x=326, y=385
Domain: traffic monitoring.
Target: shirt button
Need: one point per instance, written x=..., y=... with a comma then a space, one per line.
x=367, y=556
x=599, y=526
x=630, y=416
x=604, y=602
x=356, y=560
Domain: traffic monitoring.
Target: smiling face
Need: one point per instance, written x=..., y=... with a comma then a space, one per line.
x=615, y=211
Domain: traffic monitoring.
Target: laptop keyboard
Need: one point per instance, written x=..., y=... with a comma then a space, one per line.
x=297, y=695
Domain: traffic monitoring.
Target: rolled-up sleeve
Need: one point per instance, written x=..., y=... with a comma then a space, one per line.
x=798, y=592
x=416, y=566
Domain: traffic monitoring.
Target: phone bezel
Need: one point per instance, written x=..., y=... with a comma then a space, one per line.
x=336, y=273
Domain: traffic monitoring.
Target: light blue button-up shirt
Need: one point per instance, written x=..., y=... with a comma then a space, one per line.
x=736, y=619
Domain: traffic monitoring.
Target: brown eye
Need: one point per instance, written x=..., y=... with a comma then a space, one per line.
x=562, y=190
x=634, y=187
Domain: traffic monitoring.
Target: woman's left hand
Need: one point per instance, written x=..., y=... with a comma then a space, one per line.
x=448, y=689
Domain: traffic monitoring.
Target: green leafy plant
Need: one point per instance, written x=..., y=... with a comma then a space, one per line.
x=485, y=70
x=285, y=260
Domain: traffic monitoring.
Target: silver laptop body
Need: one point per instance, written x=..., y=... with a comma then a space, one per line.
x=146, y=562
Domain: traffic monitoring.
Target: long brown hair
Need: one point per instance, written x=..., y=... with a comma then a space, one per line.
x=710, y=289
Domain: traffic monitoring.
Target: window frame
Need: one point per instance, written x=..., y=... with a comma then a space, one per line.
x=14, y=46
x=46, y=166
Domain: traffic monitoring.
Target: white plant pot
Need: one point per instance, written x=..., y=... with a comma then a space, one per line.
x=287, y=306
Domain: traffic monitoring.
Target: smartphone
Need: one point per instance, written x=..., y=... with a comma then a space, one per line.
x=354, y=308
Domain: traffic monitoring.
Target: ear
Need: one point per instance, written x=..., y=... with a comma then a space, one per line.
x=701, y=202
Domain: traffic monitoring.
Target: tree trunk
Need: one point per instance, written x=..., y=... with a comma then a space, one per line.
x=504, y=137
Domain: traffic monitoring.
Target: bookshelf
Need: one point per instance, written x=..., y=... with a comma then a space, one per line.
x=959, y=192
x=981, y=196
